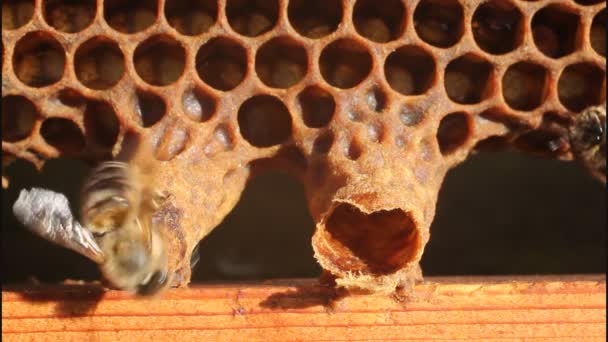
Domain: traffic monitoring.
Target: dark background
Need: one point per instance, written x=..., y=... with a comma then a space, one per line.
x=498, y=213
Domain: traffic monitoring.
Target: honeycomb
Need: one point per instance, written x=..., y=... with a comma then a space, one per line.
x=368, y=103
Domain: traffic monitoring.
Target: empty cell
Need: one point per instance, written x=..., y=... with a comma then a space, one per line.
x=597, y=35
x=69, y=16
x=281, y=62
x=410, y=70
x=498, y=27
x=38, y=59
x=62, y=134
x=16, y=13
x=353, y=150
x=101, y=123
x=198, y=105
x=150, y=108
x=524, y=85
x=315, y=18
x=380, y=24
x=99, y=63
x=556, y=31
x=317, y=105
x=345, y=63
x=264, y=121
x=222, y=63
x=191, y=17
x=18, y=118
x=468, y=79
x=252, y=18
x=130, y=16
x=323, y=143
x=71, y=98
x=439, y=22
x=375, y=99
x=453, y=132
x=160, y=60
x=581, y=85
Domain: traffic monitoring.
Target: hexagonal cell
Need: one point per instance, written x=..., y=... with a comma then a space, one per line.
x=524, y=85
x=556, y=31
x=315, y=18
x=323, y=143
x=380, y=24
x=453, y=132
x=99, y=63
x=343, y=72
x=375, y=132
x=191, y=17
x=160, y=60
x=252, y=18
x=498, y=27
x=411, y=116
x=597, y=36
x=264, y=121
x=69, y=16
x=198, y=105
x=130, y=16
x=439, y=22
x=281, y=62
x=71, y=98
x=581, y=85
x=62, y=134
x=410, y=70
x=222, y=63
x=38, y=59
x=468, y=79
x=18, y=118
x=353, y=150
x=172, y=141
x=101, y=123
x=149, y=107
x=317, y=105
x=376, y=99
x=16, y=13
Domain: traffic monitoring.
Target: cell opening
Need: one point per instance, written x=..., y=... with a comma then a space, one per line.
x=354, y=150
x=323, y=143
x=410, y=70
x=281, y=62
x=222, y=63
x=380, y=24
x=581, y=85
x=18, y=118
x=411, y=116
x=171, y=142
x=38, y=60
x=191, y=17
x=71, y=98
x=16, y=13
x=344, y=72
x=379, y=243
x=439, y=22
x=69, y=16
x=498, y=27
x=315, y=18
x=62, y=134
x=198, y=105
x=99, y=63
x=264, y=121
x=150, y=108
x=524, y=85
x=375, y=132
x=160, y=60
x=317, y=105
x=453, y=132
x=598, y=33
x=252, y=18
x=101, y=123
x=468, y=79
x=376, y=99
x=130, y=16
x=556, y=31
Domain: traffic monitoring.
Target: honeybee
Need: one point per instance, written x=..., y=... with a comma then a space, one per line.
x=588, y=140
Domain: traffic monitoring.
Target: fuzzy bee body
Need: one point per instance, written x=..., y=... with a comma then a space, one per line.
x=588, y=140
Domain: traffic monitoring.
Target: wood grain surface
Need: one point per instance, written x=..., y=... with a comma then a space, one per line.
x=489, y=308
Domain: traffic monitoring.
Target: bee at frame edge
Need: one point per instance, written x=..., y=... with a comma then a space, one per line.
x=587, y=136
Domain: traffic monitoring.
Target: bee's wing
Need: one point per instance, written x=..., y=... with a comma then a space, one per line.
x=47, y=214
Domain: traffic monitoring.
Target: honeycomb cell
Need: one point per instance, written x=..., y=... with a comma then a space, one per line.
x=198, y=105
x=354, y=150
x=191, y=17
x=598, y=33
x=343, y=72
x=69, y=16
x=281, y=62
x=222, y=63
x=130, y=16
x=317, y=105
x=16, y=13
x=149, y=107
x=498, y=27
x=323, y=143
x=101, y=123
x=264, y=121
x=160, y=60
x=439, y=22
x=38, y=60
x=376, y=99
x=524, y=85
x=375, y=132
x=99, y=63
x=556, y=31
x=71, y=98
x=581, y=85
x=18, y=118
x=252, y=18
x=315, y=18
x=411, y=116
x=380, y=24
x=468, y=79
x=453, y=132
x=62, y=134
x=173, y=141
x=410, y=70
